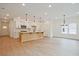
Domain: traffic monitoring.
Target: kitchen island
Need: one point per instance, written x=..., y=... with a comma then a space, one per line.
x=28, y=36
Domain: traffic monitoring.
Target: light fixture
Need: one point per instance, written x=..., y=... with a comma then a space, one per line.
x=50, y=5
x=23, y=4
x=34, y=18
x=26, y=16
x=64, y=21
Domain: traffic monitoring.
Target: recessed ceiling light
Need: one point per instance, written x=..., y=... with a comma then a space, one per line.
x=23, y=4
x=50, y=5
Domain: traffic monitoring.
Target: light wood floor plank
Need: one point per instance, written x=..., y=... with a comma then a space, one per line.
x=41, y=47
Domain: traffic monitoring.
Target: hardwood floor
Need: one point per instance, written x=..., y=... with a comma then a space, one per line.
x=42, y=47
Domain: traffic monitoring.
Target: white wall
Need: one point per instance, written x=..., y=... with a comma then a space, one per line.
x=12, y=28
x=57, y=27
x=48, y=28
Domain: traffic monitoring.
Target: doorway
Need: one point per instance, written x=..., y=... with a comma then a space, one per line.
x=4, y=29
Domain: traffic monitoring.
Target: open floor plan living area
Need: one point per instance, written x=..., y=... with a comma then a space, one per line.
x=39, y=29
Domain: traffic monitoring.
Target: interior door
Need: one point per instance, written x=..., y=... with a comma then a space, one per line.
x=4, y=29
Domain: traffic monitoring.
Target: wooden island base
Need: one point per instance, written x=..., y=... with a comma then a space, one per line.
x=28, y=36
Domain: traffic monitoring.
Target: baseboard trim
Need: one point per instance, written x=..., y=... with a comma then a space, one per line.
x=65, y=38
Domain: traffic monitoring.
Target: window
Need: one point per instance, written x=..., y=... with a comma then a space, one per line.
x=70, y=29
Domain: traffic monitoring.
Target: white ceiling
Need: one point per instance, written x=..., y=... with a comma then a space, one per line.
x=39, y=9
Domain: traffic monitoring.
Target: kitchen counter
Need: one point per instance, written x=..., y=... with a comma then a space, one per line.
x=28, y=36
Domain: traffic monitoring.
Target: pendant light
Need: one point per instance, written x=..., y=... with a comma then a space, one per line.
x=26, y=16
x=64, y=21
x=34, y=18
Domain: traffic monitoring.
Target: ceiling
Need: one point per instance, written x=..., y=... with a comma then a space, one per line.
x=39, y=10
